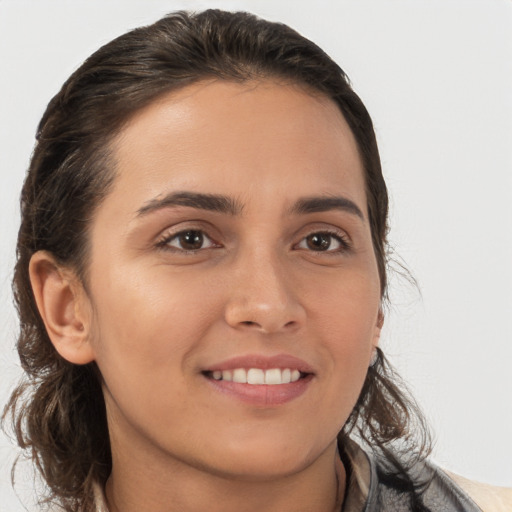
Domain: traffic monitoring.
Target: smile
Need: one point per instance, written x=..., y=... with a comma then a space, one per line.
x=258, y=376
x=260, y=380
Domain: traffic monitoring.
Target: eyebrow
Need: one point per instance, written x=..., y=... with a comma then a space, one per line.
x=211, y=202
x=227, y=205
x=325, y=203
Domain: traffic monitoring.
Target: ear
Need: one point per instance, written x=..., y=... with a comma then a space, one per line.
x=378, y=329
x=63, y=306
x=376, y=337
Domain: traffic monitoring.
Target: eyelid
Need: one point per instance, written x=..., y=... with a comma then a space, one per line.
x=162, y=242
x=340, y=235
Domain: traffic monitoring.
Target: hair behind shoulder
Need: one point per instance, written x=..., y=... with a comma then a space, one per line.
x=58, y=412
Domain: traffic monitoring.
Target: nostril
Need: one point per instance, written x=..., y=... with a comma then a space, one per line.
x=248, y=322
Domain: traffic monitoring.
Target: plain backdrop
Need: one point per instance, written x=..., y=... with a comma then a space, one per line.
x=436, y=76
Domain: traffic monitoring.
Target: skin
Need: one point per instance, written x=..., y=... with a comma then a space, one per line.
x=154, y=317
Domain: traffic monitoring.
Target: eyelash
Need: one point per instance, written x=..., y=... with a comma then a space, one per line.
x=164, y=242
x=341, y=239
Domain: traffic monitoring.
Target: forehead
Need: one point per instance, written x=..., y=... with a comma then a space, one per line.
x=220, y=136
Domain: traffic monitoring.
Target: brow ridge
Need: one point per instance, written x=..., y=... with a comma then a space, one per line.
x=211, y=202
x=317, y=204
x=227, y=205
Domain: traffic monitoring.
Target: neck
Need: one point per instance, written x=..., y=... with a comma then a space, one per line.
x=156, y=482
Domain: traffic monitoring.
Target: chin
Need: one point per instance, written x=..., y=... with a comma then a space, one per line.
x=259, y=469
x=265, y=459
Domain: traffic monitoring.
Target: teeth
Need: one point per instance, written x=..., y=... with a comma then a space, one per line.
x=240, y=375
x=257, y=376
x=273, y=376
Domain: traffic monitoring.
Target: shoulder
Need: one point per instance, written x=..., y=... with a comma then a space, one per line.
x=421, y=485
x=488, y=497
x=432, y=488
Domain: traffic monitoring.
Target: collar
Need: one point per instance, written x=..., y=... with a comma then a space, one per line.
x=100, y=502
x=359, y=476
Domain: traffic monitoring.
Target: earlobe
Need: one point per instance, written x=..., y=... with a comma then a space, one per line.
x=62, y=304
x=376, y=338
x=378, y=328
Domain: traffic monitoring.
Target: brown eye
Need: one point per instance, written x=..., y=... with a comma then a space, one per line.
x=189, y=240
x=323, y=242
x=319, y=241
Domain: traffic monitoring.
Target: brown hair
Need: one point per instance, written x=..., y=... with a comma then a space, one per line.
x=58, y=411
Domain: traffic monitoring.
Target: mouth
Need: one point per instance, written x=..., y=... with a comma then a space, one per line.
x=258, y=376
x=261, y=381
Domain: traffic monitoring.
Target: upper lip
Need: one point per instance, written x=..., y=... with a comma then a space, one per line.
x=263, y=362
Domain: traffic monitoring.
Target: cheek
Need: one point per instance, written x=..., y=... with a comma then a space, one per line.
x=346, y=305
x=346, y=315
x=147, y=330
x=150, y=322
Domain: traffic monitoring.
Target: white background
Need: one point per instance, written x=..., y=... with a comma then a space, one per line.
x=436, y=76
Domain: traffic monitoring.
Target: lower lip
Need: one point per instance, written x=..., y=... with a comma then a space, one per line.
x=263, y=395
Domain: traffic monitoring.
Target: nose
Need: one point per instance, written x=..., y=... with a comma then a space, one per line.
x=262, y=297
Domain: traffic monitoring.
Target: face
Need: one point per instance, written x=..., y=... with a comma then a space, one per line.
x=234, y=246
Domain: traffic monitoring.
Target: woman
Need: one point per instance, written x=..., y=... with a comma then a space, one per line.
x=200, y=279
